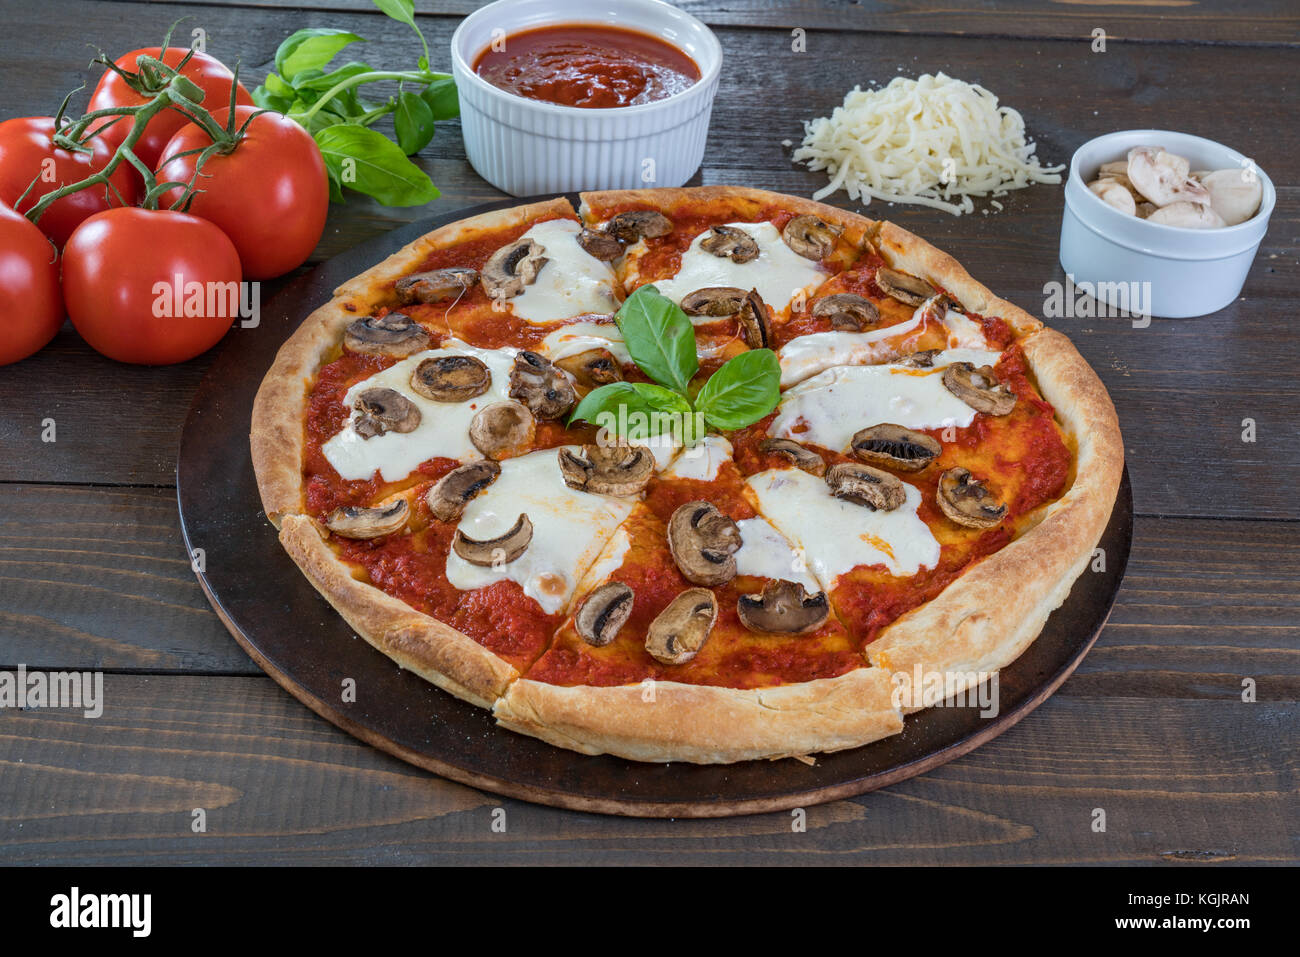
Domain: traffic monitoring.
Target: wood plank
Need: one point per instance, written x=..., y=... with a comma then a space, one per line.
x=1258, y=22
x=1205, y=779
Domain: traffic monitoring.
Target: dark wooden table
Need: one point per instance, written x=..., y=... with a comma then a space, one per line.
x=1152, y=728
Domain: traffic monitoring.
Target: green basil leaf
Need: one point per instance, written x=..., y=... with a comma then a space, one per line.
x=442, y=98
x=744, y=390
x=401, y=10
x=659, y=337
x=638, y=410
x=371, y=163
x=413, y=122
x=336, y=188
x=310, y=49
x=277, y=87
x=267, y=100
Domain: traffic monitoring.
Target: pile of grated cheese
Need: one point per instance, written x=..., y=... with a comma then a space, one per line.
x=935, y=140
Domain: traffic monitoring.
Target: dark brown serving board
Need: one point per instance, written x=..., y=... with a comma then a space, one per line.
x=301, y=642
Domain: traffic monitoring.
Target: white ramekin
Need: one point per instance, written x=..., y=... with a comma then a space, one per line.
x=526, y=147
x=1192, y=272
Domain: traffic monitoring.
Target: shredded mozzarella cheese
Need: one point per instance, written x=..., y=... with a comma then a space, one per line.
x=929, y=141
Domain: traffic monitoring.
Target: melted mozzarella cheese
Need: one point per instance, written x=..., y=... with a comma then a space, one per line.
x=571, y=283
x=778, y=273
x=808, y=355
x=702, y=460
x=579, y=337
x=838, y=536
x=829, y=408
x=570, y=528
x=964, y=332
x=766, y=553
x=443, y=431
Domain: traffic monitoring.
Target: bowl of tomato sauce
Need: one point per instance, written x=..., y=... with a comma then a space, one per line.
x=564, y=95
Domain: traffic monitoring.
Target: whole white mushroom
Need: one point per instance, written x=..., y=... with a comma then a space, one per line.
x=1188, y=215
x=1235, y=194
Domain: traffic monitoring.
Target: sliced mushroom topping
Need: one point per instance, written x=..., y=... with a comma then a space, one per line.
x=599, y=244
x=356, y=521
x=451, y=378
x=636, y=224
x=896, y=447
x=728, y=242
x=680, y=630
x=394, y=334
x=538, y=384
x=783, y=608
x=847, y=312
x=966, y=501
x=703, y=542
x=919, y=360
x=490, y=552
x=384, y=410
x=755, y=323
x=864, y=485
x=904, y=288
x=607, y=469
x=503, y=429
x=810, y=237
x=593, y=368
x=512, y=267
x=605, y=611
x=1163, y=177
x=436, y=285
x=713, y=301
x=451, y=493
x=805, y=459
x=979, y=388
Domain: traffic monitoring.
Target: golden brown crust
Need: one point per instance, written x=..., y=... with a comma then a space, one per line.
x=988, y=616
x=706, y=725
x=419, y=643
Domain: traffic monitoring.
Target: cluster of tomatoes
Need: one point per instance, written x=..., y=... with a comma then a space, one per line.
x=115, y=268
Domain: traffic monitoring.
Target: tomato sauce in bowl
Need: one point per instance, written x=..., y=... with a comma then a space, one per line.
x=591, y=66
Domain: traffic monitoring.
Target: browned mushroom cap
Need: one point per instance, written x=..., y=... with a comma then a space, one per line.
x=607, y=469
x=847, y=311
x=920, y=360
x=603, y=613
x=896, y=447
x=805, y=459
x=728, y=242
x=538, y=384
x=810, y=237
x=512, y=267
x=384, y=410
x=451, y=493
x=901, y=286
x=979, y=388
x=503, y=429
x=864, y=485
x=451, y=378
x=592, y=368
x=636, y=224
x=784, y=608
x=436, y=285
x=703, y=543
x=490, y=552
x=600, y=244
x=356, y=521
x=966, y=501
x=713, y=301
x=394, y=334
x=755, y=323
x=680, y=630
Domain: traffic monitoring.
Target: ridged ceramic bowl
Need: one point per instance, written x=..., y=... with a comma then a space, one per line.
x=525, y=147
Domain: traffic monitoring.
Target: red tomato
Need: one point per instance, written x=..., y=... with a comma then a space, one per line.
x=150, y=287
x=27, y=152
x=208, y=72
x=31, y=306
x=270, y=195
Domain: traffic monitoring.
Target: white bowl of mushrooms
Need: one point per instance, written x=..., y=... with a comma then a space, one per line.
x=1163, y=223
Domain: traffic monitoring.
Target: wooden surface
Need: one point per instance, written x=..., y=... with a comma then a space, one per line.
x=1152, y=728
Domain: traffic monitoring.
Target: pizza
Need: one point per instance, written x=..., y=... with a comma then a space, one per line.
x=685, y=474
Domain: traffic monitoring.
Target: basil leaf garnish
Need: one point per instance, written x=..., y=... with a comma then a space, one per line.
x=660, y=337
x=378, y=166
x=744, y=390
x=638, y=410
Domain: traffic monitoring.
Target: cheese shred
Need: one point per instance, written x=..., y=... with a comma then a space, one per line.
x=936, y=141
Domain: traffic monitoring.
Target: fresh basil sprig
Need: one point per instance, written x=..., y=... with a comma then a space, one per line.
x=661, y=340
x=325, y=101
